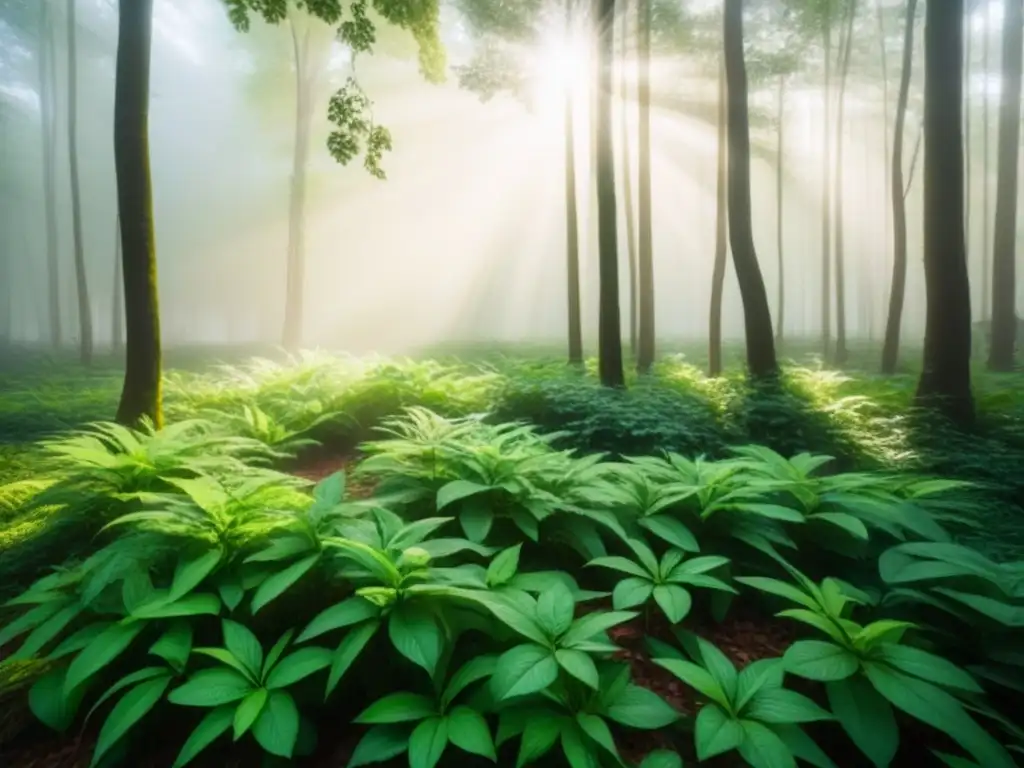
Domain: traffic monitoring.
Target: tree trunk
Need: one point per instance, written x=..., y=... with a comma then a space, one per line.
x=627, y=190
x=81, y=280
x=141, y=394
x=826, y=193
x=884, y=56
x=986, y=135
x=609, y=320
x=1004, y=278
x=117, y=311
x=645, y=261
x=721, y=235
x=779, y=189
x=296, y=267
x=757, y=317
x=945, y=381
x=968, y=147
x=898, y=289
x=846, y=48
x=572, y=234
x=48, y=131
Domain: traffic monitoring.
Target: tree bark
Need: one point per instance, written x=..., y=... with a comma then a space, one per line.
x=846, y=48
x=609, y=319
x=826, y=193
x=572, y=235
x=986, y=136
x=779, y=210
x=645, y=260
x=627, y=194
x=721, y=234
x=81, y=280
x=968, y=147
x=945, y=381
x=48, y=133
x=757, y=318
x=1004, y=241
x=898, y=289
x=117, y=302
x=884, y=56
x=141, y=394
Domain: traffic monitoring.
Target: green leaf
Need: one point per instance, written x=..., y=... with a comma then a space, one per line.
x=579, y=665
x=380, y=744
x=539, y=736
x=247, y=712
x=46, y=631
x=674, y=601
x=631, y=592
x=228, y=659
x=770, y=511
x=139, y=676
x=638, y=707
x=617, y=563
x=783, y=707
x=189, y=574
x=331, y=490
x=278, y=582
x=216, y=723
x=131, y=708
x=277, y=727
x=755, y=676
x=401, y=707
x=275, y=652
x=473, y=670
x=211, y=688
x=476, y=519
x=511, y=616
x=50, y=704
x=662, y=758
x=417, y=635
x=555, y=609
x=867, y=718
x=762, y=748
x=195, y=604
x=817, y=620
x=174, y=645
x=103, y=649
x=468, y=730
x=715, y=732
x=577, y=750
x=348, y=651
x=298, y=666
x=852, y=525
x=504, y=566
x=457, y=490
x=669, y=529
x=587, y=627
x=244, y=646
x=779, y=589
x=354, y=610
x=427, y=742
x=598, y=731
x=696, y=677
x=927, y=666
x=818, y=660
x=802, y=746
x=30, y=619
x=522, y=670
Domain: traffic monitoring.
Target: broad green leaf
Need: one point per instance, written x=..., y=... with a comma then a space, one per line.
x=473, y=670
x=275, y=651
x=297, y=666
x=49, y=702
x=817, y=620
x=195, y=604
x=216, y=723
x=867, y=718
x=783, y=707
x=577, y=749
x=715, y=732
x=76, y=641
x=103, y=649
x=623, y=565
x=380, y=744
x=668, y=528
x=539, y=736
x=189, y=574
x=211, y=688
x=818, y=660
x=763, y=673
x=457, y=490
x=248, y=710
x=522, y=670
x=852, y=525
x=587, y=627
x=244, y=646
x=779, y=589
x=884, y=630
x=762, y=748
x=673, y=600
x=504, y=566
x=468, y=730
x=579, y=665
x=30, y=619
x=597, y=729
x=427, y=742
x=770, y=511
x=277, y=727
x=638, y=707
x=354, y=610
x=331, y=490
x=348, y=651
x=46, y=631
x=476, y=519
x=696, y=566
x=511, y=616
x=283, y=548
x=555, y=609
x=278, y=582
x=696, y=677
x=927, y=666
x=228, y=659
x=174, y=645
x=139, y=676
x=631, y=592
x=131, y=708
x=401, y=707
x=802, y=746
x=662, y=758
x=417, y=635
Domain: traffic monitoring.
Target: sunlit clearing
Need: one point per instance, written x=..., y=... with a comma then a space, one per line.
x=559, y=66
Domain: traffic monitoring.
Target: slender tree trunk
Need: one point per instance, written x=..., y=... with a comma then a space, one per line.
x=81, y=280
x=645, y=262
x=945, y=381
x=627, y=192
x=572, y=234
x=117, y=312
x=986, y=185
x=609, y=319
x=721, y=234
x=1004, y=277
x=757, y=317
x=898, y=289
x=47, y=86
x=141, y=395
x=826, y=194
x=779, y=210
x=846, y=47
x=884, y=57
x=968, y=147
x=296, y=268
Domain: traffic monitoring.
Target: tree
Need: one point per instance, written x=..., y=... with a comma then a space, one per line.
x=645, y=255
x=945, y=381
x=845, y=47
x=986, y=185
x=141, y=394
x=627, y=187
x=47, y=86
x=1004, y=241
x=572, y=237
x=898, y=288
x=761, y=360
x=826, y=186
x=117, y=303
x=81, y=280
x=721, y=234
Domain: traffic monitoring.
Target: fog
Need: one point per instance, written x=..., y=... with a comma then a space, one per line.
x=465, y=239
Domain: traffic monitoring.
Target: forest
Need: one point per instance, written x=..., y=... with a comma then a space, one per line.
x=530, y=383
